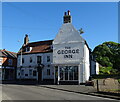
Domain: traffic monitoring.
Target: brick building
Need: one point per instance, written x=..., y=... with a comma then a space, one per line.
x=8, y=63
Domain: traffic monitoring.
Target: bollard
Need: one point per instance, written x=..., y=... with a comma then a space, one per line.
x=97, y=86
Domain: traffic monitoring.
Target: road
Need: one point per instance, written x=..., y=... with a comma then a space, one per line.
x=31, y=92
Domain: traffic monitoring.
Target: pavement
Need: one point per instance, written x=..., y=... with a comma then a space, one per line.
x=82, y=89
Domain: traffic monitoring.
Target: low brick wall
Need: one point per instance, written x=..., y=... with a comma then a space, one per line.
x=107, y=85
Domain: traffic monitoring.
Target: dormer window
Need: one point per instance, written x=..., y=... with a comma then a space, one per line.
x=28, y=49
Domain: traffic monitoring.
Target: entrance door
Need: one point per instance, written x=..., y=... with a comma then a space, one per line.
x=40, y=75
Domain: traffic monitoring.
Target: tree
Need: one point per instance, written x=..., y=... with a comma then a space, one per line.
x=108, y=54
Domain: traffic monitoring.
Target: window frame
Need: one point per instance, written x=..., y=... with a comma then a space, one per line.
x=39, y=59
x=48, y=72
x=31, y=60
x=48, y=58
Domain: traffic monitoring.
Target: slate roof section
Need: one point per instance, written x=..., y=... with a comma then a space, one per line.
x=5, y=53
x=38, y=47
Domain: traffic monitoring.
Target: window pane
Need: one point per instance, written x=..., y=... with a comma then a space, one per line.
x=30, y=72
x=75, y=72
x=34, y=73
x=30, y=59
x=39, y=59
x=66, y=73
x=22, y=60
x=22, y=72
x=48, y=58
x=48, y=71
x=61, y=73
x=70, y=73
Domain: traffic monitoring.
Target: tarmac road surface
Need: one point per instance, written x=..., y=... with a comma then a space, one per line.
x=31, y=92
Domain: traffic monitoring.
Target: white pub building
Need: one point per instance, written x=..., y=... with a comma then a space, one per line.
x=66, y=59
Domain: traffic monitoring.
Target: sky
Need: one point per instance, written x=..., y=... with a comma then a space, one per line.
x=42, y=21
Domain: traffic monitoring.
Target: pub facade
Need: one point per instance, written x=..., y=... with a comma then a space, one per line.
x=71, y=55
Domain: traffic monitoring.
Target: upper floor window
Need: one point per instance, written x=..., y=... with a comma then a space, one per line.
x=48, y=58
x=39, y=59
x=22, y=60
x=30, y=59
x=10, y=61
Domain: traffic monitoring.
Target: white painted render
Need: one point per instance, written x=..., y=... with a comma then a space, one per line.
x=94, y=67
x=86, y=63
x=26, y=66
x=69, y=39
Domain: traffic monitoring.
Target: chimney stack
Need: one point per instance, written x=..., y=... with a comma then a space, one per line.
x=67, y=17
x=26, y=40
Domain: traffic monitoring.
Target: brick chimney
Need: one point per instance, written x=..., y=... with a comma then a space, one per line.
x=67, y=17
x=26, y=40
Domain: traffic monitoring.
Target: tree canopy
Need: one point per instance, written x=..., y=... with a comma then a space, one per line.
x=108, y=54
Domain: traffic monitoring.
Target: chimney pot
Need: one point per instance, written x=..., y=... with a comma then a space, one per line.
x=68, y=12
x=65, y=14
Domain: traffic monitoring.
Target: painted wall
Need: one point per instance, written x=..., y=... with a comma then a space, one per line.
x=26, y=66
x=86, y=63
x=69, y=48
x=67, y=45
x=68, y=53
x=94, y=67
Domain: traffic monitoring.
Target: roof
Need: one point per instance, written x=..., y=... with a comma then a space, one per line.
x=37, y=47
x=9, y=54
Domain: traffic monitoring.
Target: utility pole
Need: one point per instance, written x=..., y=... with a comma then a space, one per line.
x=20, y=60
x=20, y=63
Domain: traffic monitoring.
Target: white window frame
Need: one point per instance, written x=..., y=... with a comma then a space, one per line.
x=48, y=72
x=48, y=58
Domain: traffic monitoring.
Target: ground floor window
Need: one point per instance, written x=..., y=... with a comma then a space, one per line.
x=34, y=73
x=30, y=72
x=48, y=71
x=22, y=72
x=68, y=73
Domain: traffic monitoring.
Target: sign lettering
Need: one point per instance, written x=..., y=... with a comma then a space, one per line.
x=68, y=52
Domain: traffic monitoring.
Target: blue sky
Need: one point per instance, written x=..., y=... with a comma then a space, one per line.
x=42, y=20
